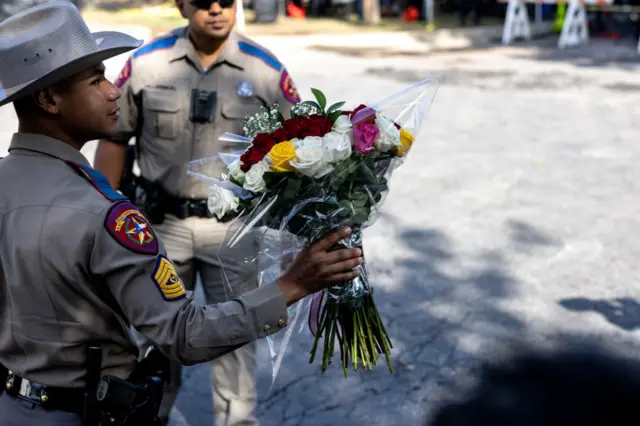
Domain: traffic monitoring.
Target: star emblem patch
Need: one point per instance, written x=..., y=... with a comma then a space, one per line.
x=130, y=228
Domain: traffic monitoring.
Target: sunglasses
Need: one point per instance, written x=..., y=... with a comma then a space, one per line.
x=206, y=4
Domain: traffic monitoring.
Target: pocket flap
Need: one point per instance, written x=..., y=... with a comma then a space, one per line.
x=163, y=100
x=240, y=110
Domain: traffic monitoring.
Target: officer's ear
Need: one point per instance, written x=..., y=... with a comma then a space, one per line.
x=180, y=6
x=46, y=100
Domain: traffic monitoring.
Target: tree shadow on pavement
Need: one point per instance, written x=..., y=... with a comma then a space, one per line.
x=554, y=343
x=441, y=309
x=621, y=312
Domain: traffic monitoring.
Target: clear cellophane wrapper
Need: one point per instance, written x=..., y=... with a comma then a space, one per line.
x=270, y=228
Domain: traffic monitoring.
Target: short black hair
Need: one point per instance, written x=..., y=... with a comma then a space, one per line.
x=26, y=106
x=588, y=387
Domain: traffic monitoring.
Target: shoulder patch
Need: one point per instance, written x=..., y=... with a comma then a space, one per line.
x=130, y=228
x=124, y=74
x=289, y=89
x=167, y=280
x=98, y=180
x=260, y=53
x=155, y=45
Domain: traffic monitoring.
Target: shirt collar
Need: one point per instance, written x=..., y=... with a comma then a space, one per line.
x=47, y=145
x=230, y=54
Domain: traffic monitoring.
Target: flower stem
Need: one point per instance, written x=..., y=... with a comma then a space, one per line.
x=359, y=331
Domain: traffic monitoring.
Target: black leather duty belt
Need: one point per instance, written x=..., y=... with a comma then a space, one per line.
x=50, y=398
x=184, y=208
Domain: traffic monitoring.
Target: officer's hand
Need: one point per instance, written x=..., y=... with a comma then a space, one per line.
x=315, y=268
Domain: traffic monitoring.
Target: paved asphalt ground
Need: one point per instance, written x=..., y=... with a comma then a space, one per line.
x=514, y=217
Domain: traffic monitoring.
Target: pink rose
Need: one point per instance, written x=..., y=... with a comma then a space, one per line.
x=364, y=135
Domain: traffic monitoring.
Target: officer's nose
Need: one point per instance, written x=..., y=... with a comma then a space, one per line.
x=113, y=93
x=215, y=8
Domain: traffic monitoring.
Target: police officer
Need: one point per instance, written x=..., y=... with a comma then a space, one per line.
x=79, y=264
x=181, y=92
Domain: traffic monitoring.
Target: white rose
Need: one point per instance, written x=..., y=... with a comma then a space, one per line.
x=337, y=147
x=308, y=141
x=235, y=171
x=342, y=124
x=310, y=158
x=389, y=134
x=221, y=201
x=253, y=180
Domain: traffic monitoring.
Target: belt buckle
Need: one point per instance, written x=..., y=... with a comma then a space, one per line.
x=199, y=208
x=182, y=211
x=33, y=391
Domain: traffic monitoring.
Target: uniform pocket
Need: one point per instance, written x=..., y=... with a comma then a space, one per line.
x=239, y=110
x=161, y=107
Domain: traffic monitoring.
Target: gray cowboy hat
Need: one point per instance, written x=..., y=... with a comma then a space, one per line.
x=47, y=43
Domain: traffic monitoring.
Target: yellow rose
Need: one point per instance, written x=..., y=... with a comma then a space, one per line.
x=281, y=154
x=406, y=139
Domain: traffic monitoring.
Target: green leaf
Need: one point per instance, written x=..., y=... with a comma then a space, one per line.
x=335, y=107
x=313, y=104
x=234, y=180
x=273, y=178
x=342, y=172
x=280, y=117
x=322, y=100
x=293, y=186
x=334, y=116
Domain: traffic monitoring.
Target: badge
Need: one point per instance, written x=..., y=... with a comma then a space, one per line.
x=124, y=74
x=166, y=279
x=288, y=88
x=130, y=229
x=245, y=89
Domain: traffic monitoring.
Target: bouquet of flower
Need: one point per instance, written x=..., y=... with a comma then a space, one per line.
x=295, y=180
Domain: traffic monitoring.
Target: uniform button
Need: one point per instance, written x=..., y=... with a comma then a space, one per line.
x=267, y=328
x=233, y=339
x=281, y=323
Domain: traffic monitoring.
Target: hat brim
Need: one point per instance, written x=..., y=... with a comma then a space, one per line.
x=110, y=44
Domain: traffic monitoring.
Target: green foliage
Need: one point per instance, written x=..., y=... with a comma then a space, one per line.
x=322, y=100
x=335, y=107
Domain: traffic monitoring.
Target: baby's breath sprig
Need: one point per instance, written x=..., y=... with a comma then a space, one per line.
x=266, y=121
x=304, y=109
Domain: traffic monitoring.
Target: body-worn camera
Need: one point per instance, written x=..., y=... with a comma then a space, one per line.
x=203, y=106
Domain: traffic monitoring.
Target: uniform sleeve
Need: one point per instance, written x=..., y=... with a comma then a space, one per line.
x=129, y=103
x=286, y=93
x=128, y=257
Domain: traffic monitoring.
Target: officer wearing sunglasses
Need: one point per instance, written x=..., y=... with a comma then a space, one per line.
x=180, y=93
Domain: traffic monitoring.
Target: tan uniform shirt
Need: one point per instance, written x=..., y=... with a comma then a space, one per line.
x=157, y=84
x=78, y=263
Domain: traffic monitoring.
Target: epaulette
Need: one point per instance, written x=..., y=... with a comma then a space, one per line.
x=98, y=180
x=260, y=53
x=155, y=45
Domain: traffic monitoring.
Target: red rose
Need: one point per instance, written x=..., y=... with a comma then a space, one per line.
x=315, y=125
x=364, y=117
x=292, y=126
x=263, y=142
x=250, y=157
x=280, y=135
x=360, y=107
x=260, y=146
